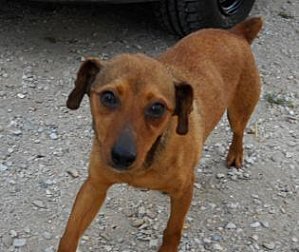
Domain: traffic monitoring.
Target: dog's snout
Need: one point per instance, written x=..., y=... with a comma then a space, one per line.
x=122, y=159
x=123, y=153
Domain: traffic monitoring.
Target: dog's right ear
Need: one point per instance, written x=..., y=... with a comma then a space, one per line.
x=85, y=77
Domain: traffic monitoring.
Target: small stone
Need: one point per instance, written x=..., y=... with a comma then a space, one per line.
x=216, y=237
x=220, y=175
x=74, y=173
x=7, y=240
x=250, y=160
x=85, y=237
x=141, y=211
x=10, y=150
x=3, y=167
x=21, y=96
x=289, y=154
x=269, y=245
x=154, y=243
x=53, y=136
x=47, y=235
x=107, y=248
x=207, y=240
x=17, y=243
x=230, y=225
x=39, y=203
x=50, y=249
x=255, y=224
x=17, y=132
x=255, y=237
x=137, y=222
x=197, y=185
x=294, y=239
x=27, y=230
x=216, y=247
x=265, y=224
x=13, y=233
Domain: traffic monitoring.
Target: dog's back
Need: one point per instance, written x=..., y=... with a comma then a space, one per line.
x=215, y=62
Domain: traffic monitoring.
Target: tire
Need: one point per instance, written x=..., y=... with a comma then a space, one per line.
x=184, y=16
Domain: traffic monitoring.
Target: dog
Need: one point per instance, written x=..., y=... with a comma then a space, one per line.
x=151, y=117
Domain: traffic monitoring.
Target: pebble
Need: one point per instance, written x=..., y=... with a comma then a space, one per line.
x=216, y=237
x=154, y=243
x=255, y=237
x=207, y=240
x=216, y=247
x=53, y=136
x=108, y=248
x=39, y=203
x=73, y=172
x=13, y=233
x=265, y=224
x=269, y=245
x=220, y=175
x=85, y=237
x=255, y=224
x=137, y=222
x=21, y=96
x=230, y=225
x=3, y=167
x=17, y=243
x=50, y=249
x=7, y=240
x=16, y=132
x=27, y=230
x=46, y=235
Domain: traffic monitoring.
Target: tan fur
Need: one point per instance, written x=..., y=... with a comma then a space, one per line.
x=199, y=78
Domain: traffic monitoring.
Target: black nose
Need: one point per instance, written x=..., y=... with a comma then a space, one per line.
x=122, y=158
x=123, y=153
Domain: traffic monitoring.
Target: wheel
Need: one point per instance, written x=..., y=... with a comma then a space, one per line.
x=184, y=16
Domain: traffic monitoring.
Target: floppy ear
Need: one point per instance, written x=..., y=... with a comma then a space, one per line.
x=85, y=77
x=184, y=100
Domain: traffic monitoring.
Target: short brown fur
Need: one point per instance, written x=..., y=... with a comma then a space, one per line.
x=196, y=80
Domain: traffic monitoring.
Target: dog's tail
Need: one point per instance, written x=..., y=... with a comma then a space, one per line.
x=248, y=29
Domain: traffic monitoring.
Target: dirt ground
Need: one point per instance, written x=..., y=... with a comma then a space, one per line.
x=44, y=146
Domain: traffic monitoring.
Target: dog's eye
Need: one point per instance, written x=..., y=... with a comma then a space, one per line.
x=109, y=99
x=156, y=110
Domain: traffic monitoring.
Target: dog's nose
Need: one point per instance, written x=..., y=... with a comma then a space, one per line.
x=122, y=158
x=123, y=153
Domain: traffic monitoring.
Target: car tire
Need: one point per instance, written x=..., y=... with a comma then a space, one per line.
x=184, y=16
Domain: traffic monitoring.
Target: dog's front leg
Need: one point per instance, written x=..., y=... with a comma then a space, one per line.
x=87, y=203
x=179, y=207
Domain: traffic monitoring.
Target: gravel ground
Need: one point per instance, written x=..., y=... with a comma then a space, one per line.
x=44, y=147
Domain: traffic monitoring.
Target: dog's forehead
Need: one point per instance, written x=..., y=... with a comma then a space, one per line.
x=138, y=68
x=139, y=72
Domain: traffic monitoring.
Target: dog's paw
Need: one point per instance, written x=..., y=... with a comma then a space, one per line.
x=234, y=158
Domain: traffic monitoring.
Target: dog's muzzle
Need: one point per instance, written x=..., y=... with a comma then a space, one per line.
x=123, y=153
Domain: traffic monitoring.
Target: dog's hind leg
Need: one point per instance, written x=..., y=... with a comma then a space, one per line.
x=239, y=112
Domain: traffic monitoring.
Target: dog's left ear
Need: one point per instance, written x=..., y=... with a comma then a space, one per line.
x=183, y=107
x=85, y=77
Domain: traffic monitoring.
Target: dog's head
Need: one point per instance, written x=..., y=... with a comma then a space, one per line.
x=133, y=100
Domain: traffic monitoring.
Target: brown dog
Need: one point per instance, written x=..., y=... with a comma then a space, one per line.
x=151, y=118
